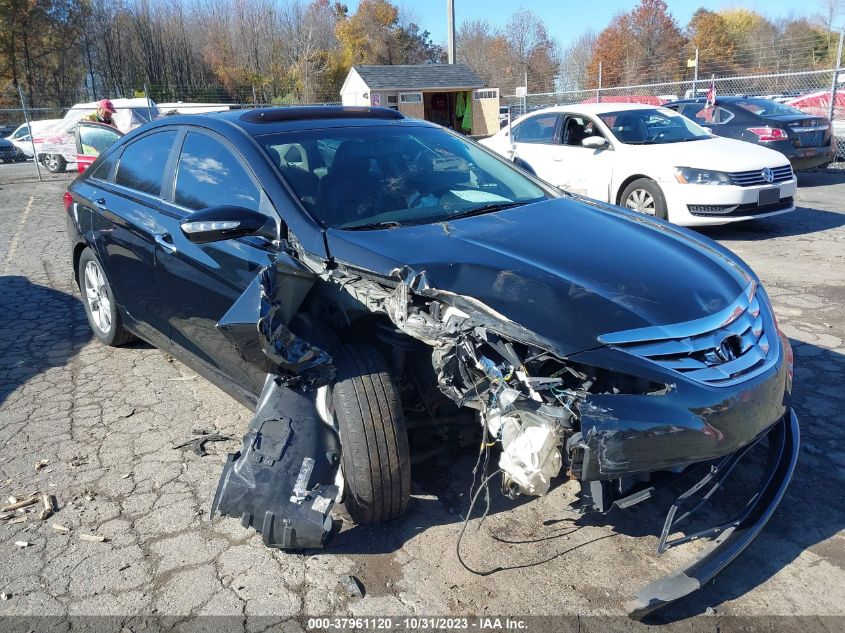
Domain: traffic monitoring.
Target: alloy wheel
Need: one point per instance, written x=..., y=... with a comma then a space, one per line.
x=96, y=294
x=641, y=201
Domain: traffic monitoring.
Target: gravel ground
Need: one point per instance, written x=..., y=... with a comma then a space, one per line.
x=104, y=421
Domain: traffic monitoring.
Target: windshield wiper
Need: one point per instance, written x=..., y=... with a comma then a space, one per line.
x=390, y=224
x=486, y=208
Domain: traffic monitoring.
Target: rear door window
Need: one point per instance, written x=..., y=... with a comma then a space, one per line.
x=142, y=163
x=210, y=175
x=707, y=116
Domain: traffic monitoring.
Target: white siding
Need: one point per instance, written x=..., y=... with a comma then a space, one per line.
x=353, y=90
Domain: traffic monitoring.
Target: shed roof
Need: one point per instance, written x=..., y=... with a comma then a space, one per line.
x=419, y=76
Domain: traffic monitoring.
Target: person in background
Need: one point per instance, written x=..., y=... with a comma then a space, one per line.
x=103, y=114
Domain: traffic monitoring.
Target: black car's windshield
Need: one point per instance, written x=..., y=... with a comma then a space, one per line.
x=379, y=177
x=651, y=126
x=766, y=107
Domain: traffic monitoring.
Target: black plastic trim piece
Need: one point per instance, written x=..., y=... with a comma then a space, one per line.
x=784, y=442
x=301, y=113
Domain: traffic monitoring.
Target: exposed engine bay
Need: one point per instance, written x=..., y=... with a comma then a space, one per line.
x=551, y=416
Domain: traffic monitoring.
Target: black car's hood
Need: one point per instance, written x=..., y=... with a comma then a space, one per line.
x=568, y=271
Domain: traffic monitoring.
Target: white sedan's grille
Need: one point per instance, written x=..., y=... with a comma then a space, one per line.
x=720, y=349
x=756, y=177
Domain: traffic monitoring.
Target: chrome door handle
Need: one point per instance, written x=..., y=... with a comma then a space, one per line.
x=166, y=242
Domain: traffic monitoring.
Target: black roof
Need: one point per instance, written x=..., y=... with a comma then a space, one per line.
x=258, y=121
x=303, y=113
x=419, y=76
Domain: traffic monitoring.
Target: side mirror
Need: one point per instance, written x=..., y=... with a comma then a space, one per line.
x=596, y=142
x=222, y=223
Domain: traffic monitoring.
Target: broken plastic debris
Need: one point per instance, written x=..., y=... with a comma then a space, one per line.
x=198, y=443
x=352, y=586
x=49, y=503
x=93, y=538
x=22, y=543
x=60, y=528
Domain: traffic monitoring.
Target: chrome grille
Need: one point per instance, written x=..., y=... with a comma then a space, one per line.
x=721, y=349
x=755, y=176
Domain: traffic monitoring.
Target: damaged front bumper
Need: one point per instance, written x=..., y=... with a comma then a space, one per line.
x=733, y=537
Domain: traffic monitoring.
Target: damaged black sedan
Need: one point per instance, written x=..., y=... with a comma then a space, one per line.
x=359, y=277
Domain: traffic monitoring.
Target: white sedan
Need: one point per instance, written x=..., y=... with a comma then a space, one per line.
x=649, y=159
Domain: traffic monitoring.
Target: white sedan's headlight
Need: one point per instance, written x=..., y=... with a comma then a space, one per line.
x=691, y=176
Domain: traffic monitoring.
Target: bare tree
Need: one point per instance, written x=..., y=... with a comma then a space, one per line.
x=575, y=60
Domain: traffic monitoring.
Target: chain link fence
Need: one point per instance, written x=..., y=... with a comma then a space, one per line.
x=813, y=90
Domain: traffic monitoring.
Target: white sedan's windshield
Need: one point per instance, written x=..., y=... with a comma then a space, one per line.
x=652, y=126
x=381, y=176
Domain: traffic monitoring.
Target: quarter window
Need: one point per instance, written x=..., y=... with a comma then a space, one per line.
x=103, y=170
x=142, y=163
x=538, y=129
x=210, y=175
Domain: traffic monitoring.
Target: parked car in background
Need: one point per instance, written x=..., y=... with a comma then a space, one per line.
x=651, y=160
x=55, y=145
x=401, y=272
x=818, y=104
x=20, y=137
x=805, y=139
x=91, y=140
x=9, y=153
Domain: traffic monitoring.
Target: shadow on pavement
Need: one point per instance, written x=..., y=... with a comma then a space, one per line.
x=805, y=519
x=802, y=221
x=40, y=328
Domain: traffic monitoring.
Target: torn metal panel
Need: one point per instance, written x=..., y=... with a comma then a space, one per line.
x=257, y=325
x=281, y=481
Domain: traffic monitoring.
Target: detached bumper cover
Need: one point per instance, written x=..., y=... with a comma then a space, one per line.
x=784, y=441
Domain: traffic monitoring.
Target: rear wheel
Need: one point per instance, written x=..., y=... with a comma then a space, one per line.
x=645, y=196
x=54, y=163
x=368, y=413
x=100, y=307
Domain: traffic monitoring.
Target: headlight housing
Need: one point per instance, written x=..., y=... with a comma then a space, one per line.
x=692, y=176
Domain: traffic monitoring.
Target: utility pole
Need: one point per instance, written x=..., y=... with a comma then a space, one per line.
x=598, y=90
x=695, y=75
x=835, y=81
x=450, y=11
x=31, y=135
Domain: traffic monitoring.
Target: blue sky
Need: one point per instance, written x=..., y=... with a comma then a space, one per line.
x=566, y=19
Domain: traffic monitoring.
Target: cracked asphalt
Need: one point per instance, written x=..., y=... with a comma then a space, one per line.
x=96, y=426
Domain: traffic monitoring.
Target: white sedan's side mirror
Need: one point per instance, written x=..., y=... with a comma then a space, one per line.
x=596, y=142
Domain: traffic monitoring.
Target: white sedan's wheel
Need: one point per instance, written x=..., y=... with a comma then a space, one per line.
x=645, y=196
x=641, y=201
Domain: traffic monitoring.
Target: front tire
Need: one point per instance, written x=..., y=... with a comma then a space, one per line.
x=54, y=163
x=368, y=413
x=645, y=196
x=100, y=307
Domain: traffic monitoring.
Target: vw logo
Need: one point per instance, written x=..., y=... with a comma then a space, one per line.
x=768, y=174
x=729, y=349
